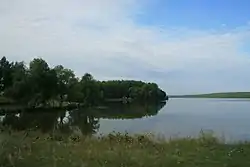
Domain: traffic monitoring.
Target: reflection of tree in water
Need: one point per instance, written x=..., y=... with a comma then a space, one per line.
x=117, y=111
x=43, y=121
x=83, y=121
x=48, y=121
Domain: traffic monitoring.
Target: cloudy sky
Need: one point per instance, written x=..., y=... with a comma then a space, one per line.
x=186, y=46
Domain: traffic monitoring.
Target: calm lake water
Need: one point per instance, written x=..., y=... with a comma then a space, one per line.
x=227, y=118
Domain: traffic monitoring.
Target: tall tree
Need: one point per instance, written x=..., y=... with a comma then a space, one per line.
x=65, y=77
x=43, y=81
x=5, y=74
x=20, y=89
x=90, y=89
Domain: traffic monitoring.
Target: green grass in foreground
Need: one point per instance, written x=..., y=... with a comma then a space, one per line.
x=121, y=150
x=4, y=100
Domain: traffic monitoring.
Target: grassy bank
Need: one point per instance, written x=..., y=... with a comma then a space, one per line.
x=4, y=100
x=216, y=95
x=120, y=150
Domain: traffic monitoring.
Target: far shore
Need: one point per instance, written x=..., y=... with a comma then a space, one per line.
x=243, y=95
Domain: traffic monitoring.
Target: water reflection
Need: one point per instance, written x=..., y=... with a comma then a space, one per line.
x=82, y=121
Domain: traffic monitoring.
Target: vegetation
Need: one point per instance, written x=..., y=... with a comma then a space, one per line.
x=4, y=100
x=38, y=84
x=216, y=95
x=119, y=150
x=35, y=136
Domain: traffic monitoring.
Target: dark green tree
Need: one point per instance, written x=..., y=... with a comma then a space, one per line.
x=90, y=89
x=20, y=90
x=43, y=81
x=5, y=74
x=75, y=93
x=39, y=84
x=65, y=79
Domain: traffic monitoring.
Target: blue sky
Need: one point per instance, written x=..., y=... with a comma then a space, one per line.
x=186, y=46
x=197, y=14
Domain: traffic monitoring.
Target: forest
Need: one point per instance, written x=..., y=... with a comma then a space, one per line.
x=38, y=84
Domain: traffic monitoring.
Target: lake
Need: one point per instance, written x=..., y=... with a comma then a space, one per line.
x=226, y=118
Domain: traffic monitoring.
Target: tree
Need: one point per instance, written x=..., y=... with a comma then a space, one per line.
x=38, y=84
x=5, y=74
x=43, y=81
x=75, y=91
x=20, y=88
x=19, y=71
x=65, y=77
x=87, y=77
x=90, y=89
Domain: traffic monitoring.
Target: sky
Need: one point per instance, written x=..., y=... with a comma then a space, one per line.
x=185, y=46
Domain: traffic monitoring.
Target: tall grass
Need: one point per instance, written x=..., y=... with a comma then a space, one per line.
x=115, y=150
x=4, y=100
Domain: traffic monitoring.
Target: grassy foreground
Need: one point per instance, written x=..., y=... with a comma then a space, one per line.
x=4, y=100
x=120, y=151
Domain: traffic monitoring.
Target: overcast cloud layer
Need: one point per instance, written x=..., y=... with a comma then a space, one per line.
x=103, y=38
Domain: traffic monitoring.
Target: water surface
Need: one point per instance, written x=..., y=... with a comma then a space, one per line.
x=227, y=118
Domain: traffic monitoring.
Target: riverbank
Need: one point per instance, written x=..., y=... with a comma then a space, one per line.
x=120, y=150
x=216, y=95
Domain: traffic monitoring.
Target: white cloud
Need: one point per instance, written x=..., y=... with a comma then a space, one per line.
x=101, y=37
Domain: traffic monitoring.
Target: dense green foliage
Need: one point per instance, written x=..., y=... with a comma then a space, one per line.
x=119, y=150
x=39, y=84
x=217, y=95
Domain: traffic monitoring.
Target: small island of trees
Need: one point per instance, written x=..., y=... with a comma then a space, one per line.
x=38, y=84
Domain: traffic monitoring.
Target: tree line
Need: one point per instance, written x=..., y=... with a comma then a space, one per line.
x=39, y=84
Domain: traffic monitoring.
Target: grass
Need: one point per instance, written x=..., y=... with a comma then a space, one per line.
x=4, y=100
x=116, y=150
